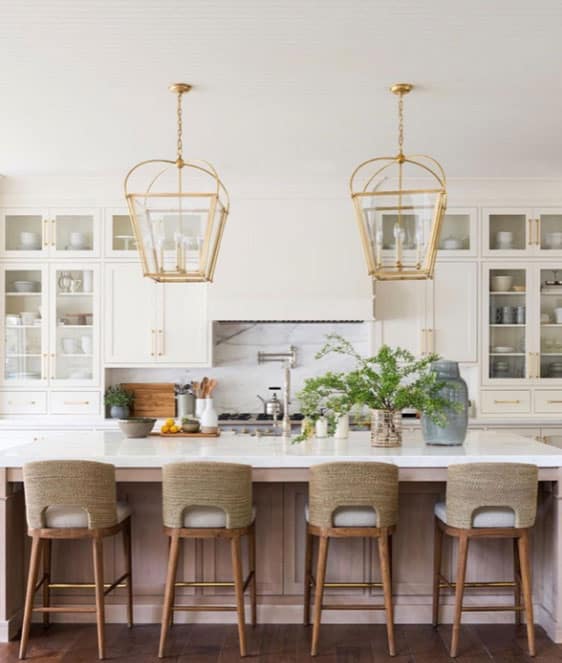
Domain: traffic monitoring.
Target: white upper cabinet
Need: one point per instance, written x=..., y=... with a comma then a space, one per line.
x=432, y=316
x=154, y=323
x=453, y=311
x=130, y=315
x=512, y=232
x=459, y=233
x=52, y=233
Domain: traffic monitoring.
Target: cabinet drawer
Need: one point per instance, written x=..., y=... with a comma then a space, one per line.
x=548, y=401
x=23, y=402
x=75, y=402
x=503, y=401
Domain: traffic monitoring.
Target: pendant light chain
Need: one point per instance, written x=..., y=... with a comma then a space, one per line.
x=180, y=128
x=401, y=124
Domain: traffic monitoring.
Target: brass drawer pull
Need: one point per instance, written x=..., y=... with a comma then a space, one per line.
x=23, y=403
x=554, y=402
x=507, y=402
x=76, y=402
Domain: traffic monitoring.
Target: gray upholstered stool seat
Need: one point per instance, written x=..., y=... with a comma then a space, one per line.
x=68, y=517
x=206, y=517
x=489, y=516
x=352, y=516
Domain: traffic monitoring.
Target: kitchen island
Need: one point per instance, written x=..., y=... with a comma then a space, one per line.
x=280, y=473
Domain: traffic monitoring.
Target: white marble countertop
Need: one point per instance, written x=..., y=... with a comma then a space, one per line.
x=267, y=452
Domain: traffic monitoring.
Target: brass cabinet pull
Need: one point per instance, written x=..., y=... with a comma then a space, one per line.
x=76, y=402
x=54, y=236
x=538, y=240
x=499, y=402
x=45, y=232
x=152, y=343
x=530, y=221
x=160, y=342
x=44, y=366
x=554, y=402
x=23, y=403
x=423, y=342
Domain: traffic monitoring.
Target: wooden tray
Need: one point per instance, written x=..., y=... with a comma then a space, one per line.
x=157, y=434
x=152, y=399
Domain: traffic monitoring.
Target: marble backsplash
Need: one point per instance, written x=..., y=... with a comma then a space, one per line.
x=236, y=367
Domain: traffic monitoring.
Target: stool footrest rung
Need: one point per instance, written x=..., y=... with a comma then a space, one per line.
x=477, y=585
x=66, y=608
x=204, y=608
x=351, y=606
x=493, y=608
x=213, y=583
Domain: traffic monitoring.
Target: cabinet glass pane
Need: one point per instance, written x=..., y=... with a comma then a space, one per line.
x=122, y=237
x=551, y=323
x=551, y=232
x=74, y=232
x=507, y=324
x=23, y=232
x=74, y=325
x=23, y=325
x=507, y=232
x=455, y=232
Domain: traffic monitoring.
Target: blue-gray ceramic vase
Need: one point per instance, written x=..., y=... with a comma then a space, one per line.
x=455, y=390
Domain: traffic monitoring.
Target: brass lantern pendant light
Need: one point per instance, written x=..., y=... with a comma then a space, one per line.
x=178, y=211
x=399, y=204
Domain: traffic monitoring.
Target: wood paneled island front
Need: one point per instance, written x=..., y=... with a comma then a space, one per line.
x=280, y=473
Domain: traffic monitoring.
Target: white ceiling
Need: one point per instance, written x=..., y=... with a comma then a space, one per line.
x=287, y=87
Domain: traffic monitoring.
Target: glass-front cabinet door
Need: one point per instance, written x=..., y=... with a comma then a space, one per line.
x=24, y=233
x=33, y=233
x=74, y=325
x=507, y=340
x=550, y=339
x=548, y=232
x=458, y=237
x=507, y=232
x=24, y=307
x=119, y=237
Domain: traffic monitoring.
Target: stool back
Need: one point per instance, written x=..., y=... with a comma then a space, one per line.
x=336, y=485
x=75, y=483
x=472, y=486
x=226, y=486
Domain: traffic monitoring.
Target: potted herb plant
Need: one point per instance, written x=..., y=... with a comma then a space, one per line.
x=119, y=401
x=387, y=383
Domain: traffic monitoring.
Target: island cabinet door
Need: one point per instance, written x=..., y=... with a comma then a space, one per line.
x=452, y=312
x=130, y=316
x=183, y=331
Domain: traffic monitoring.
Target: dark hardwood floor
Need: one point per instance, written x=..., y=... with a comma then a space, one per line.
x=286, y=643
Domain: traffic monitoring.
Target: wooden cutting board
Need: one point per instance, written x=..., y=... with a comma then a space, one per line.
x=152, y=399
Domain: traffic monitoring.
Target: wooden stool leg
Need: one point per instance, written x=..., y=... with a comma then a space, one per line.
x=437, y=553
x=239, y=589
x=169, y=592
x=307, y=573
x=517, y=581
x=97, y=548
x=47, y=548
x=319, y=593
x=384, y=555
x=252, y=563
x=523, y=543
x=459, y=593
x=31, y=582
x=128, y=569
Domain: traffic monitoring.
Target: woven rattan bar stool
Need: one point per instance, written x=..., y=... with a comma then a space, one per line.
x=350, y=500
x=487, y=500
x=73, y=499
x=209, y=500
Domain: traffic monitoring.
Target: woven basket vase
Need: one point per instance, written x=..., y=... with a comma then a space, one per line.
x=386, y=428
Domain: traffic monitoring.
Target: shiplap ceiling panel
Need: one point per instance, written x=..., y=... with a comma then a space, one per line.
x=286, y=87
